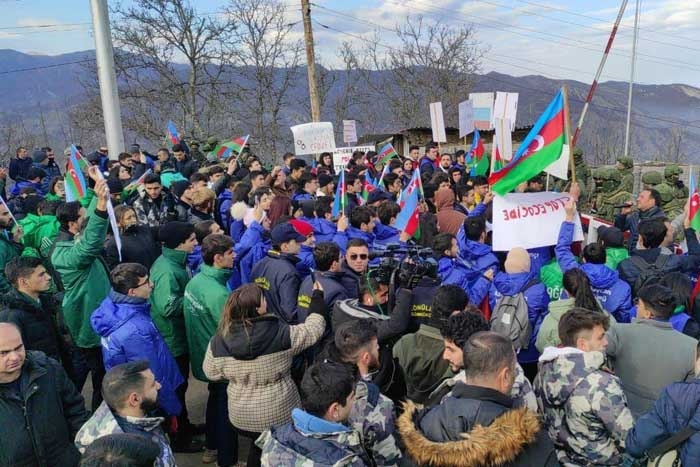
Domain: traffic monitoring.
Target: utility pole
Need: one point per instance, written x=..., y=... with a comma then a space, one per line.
x=632, y=70
x=109, y=93
x=311, y=61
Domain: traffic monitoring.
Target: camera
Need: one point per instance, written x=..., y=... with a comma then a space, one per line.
x=404, y=266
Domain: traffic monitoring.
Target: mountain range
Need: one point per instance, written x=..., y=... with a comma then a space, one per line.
x=38, y=89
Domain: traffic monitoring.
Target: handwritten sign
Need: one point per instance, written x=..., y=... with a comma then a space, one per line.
x=313, y=138
x=349, y=131
x=529, y=220
x=341, y=156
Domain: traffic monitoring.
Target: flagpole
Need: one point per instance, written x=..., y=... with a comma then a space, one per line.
x=567, y=128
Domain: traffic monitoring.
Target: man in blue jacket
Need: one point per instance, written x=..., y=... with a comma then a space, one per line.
x=614, y=294
x=477, y=255
x=452, y=269
x=328, y=273
x=361, y=224
x=123, y=320
x=277, y=275
x=385, y=232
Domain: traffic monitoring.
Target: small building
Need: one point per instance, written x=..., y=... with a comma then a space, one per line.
x=403, y=139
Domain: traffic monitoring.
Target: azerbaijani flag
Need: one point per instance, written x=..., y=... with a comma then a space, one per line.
x=225, y=149
x=385, y=171
x=477, y=158
x=496, y=159
x=386, y=154
x=341, y=196
x=173, y=135
x=368, y=186
x=408, y=219
x=694, y=204
x=76, y=187
x=542, y=146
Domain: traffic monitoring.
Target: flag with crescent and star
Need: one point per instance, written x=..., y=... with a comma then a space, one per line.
x=543, y=145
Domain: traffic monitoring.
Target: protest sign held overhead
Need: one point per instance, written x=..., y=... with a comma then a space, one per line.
x=313, y=138
x=466, y=118
x=483, y=109
x=529, y=220
x=505, y=107
x=437, y=122
x=341, y=156
x=349, y=131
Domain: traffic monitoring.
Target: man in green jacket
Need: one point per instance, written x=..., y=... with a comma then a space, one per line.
x=205, y=297
x=169, y=276
x=77, y=258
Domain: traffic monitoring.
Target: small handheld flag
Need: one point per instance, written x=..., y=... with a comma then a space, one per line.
x=225, y=149
x=386, y=154
x=694, y=203
x=408, y=219
x=340, y=200
x=76, y=187
x=173, y=135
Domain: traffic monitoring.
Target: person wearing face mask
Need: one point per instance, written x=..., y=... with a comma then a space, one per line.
x=139, y=243
x=124, y=323
x=131, y=396
x=479, y=424
x=77, y=259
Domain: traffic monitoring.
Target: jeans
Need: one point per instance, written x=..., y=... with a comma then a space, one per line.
x=89, y=360
x=183, y=420
x=220, y=434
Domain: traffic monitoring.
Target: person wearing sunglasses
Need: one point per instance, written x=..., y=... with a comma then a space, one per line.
x=354, y=267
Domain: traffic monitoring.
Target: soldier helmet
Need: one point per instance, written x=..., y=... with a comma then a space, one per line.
x=611, y=175
x=597, y=173
x=626, y=162
x=194, y=143
x=666, y=193
x=672, y=170
x=652, y=178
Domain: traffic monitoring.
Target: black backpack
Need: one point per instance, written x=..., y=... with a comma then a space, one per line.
x=649, y=273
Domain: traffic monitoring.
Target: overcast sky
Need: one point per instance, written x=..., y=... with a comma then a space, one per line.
x=557, y=39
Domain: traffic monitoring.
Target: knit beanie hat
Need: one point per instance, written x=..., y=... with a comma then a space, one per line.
x=179, y=187
x=324, y=179
x=174, y=233
x=518, y=260
x=39, y=156
x=115, y=186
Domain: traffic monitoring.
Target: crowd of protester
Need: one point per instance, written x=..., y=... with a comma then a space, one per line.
x=332, y=338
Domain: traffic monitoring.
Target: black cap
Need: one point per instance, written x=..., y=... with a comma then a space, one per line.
x=378, y=195
x=611, y=236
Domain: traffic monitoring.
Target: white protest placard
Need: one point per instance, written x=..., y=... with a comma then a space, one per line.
x=506, y=107
x=341, y=156
x=437, y=122
x=313, y=138
x=503, y=139
x=530, y=220
x=560, y=167
x=466, y=118
x=483, y=109
x=349, y=131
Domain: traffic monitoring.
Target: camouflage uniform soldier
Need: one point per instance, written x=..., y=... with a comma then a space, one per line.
x=669, y=204
x=584, y=408
x=372, y=415
x=651, y=179
x=624, y=166
x=612, y=194
x=672, y=174
x=597, y=186
x=209, y=146
x=196, y=154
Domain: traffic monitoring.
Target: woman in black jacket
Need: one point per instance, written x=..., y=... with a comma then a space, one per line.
x=139, y=243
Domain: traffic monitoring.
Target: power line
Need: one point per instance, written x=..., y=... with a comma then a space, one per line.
x=571, y=98
x=55, y=65
x=7, y=28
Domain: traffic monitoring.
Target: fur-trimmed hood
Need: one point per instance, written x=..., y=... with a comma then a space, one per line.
x=484, y=446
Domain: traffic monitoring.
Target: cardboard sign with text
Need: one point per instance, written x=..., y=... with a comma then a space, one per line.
x=349, y=131
x=313, y=138
x=530, y=220
x=341, y=156
x=466, y=118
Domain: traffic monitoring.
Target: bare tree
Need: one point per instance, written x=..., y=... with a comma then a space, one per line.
x=268, y=64
x=675, y=152
x=169, y=65
x=432, y=62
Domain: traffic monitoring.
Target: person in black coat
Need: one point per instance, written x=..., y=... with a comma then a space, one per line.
x=20, y=165
x=40, y=409
x=35, y=312
x=478, y=424
x=139, y=242
x=328, y=274
x=183, y=163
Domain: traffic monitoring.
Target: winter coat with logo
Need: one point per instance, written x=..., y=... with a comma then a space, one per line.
x=552, y=278
x=205, y=296
x=84, y=275
x=677, y=407
x=256, y=359
x=103, y=422
x=614, y=294
x=476, y=426
x=311, y=440
x=40, y=422
x=169, y=277
x=128, y=335
x=37, y=321
x=279, y=279
x=584, y=408
x=535, y=293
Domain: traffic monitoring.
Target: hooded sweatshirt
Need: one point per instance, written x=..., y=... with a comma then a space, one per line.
x=583, y=406
x=449, y=220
